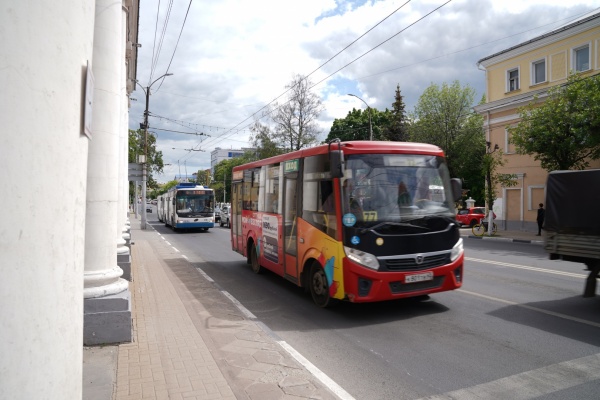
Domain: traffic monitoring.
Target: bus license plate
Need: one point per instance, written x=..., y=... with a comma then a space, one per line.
x=427, y=276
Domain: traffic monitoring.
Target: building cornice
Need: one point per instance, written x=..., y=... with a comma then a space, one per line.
x=543, y=40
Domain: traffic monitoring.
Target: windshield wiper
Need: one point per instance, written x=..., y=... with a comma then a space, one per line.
x=379, y=225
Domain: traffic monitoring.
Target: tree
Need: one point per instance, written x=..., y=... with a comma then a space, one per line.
x=563, y=132
x=355, y=126
x=443, y=116
x=263, y=141
x=222, y=178
x=397, y=130
x=296, y=120
x=137, y=145
x=491, y=161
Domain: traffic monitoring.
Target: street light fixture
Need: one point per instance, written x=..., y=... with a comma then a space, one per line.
x=369, y=110
x=147, y=93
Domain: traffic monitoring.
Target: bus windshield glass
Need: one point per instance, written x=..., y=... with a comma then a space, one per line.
x=396, y=188
x=194, y=203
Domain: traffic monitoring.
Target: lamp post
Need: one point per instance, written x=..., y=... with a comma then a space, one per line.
x=488, y=178
x=145, y=159
x=369, y=110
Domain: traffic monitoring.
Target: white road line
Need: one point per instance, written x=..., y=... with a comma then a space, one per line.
x=208, y=278
x=167, y=242
x=532, y=384
x=175, y=249
x=320, y=375
x=317, y=373
x=184, y=256
x=548, y=271
x=541, y=310
x=239, y=305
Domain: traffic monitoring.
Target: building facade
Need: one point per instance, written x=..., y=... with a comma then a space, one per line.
x=514, y=77
x=219, y=154
x=65, y=101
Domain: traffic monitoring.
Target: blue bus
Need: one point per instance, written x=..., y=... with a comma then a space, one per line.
x=187, y=205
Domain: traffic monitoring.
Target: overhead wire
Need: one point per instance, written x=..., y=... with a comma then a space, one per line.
x=225, y=135
x=176, y=44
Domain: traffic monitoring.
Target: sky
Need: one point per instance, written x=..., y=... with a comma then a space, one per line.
x=231, y=58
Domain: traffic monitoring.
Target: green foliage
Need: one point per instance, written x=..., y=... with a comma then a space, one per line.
x=397, y=128
x=264, y=142
x=563, y=132
x=222, y=178
x=490, y=162
x=137, y=146
x=355, y=126
x=443, y=116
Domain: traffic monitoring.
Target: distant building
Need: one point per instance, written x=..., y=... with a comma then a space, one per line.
x=219, y=154
x=513, y=77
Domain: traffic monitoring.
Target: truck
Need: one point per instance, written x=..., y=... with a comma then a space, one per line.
x=572, y=221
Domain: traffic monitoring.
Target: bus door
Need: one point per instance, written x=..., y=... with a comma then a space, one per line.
x=235, y=217
x=290, y=223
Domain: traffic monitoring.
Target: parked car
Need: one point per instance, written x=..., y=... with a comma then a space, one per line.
x=224, y=216
x=471, y=216
x=148, y=207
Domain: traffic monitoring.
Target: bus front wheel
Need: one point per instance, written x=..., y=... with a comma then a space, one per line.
x=319, y=289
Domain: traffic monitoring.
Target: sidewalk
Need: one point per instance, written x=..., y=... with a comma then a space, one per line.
x=190, y=341
x=508, y=236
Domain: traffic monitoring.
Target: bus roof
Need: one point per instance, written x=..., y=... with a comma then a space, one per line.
x=353, y=147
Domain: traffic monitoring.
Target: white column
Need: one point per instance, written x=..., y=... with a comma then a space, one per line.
x=122, y=231
x=43, y=166
x=102, y=277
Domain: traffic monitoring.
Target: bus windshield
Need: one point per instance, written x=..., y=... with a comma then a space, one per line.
x=395, y=188
x=192, y=203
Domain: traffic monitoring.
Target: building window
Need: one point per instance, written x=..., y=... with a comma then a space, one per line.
x=581, y=58
x=513, y=79
x=538, y=72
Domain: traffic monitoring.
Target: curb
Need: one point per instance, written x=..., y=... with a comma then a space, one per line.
x=504, y=239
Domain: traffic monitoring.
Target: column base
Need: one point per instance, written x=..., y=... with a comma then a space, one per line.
x=107, y=319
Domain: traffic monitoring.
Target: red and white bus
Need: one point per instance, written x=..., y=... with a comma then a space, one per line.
x=359, y=221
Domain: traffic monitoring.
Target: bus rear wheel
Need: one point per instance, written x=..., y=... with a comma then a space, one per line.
x=254, y=263
x=319, y=288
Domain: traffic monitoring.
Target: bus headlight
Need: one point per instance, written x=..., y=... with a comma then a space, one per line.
x=365, y=259
x=457, y=250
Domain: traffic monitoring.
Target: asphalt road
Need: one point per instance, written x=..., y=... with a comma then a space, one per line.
x=518, y=328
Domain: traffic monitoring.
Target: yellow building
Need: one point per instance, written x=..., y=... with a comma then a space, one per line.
x=513, y=77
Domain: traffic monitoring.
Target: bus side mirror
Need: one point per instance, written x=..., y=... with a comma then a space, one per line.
x=336, y=161
x=456, y=188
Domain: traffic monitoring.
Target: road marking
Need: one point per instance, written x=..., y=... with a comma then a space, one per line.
x=184, y=256
x=167, y=242
x=239, y=305
x=208, y=278
x=320, y=375
x=175, y=249
x=512, y=303
x=548, y=271
x=532, y=384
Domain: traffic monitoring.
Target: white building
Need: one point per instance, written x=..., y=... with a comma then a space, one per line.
x=67, y=70
x=219, y=154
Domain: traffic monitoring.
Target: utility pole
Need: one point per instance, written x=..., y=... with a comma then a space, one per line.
x=144, y=160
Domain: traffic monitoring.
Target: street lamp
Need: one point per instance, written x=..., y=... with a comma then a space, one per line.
x=368, y=109
x=145, y=160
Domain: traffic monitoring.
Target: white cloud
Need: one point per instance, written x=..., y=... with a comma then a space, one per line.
x=236, y=56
